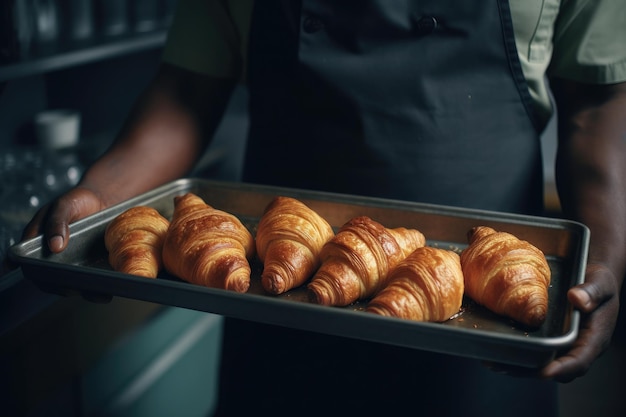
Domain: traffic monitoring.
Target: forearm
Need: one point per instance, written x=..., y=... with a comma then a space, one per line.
x=591, y=167
x=156, y=146
x=163, y=137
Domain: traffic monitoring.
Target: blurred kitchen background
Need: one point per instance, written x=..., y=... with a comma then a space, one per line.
x=66, y=356
x=69, y=356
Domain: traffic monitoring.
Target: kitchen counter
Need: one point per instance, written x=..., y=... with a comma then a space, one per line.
x=65, y=355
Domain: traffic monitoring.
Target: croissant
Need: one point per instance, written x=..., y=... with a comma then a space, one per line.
x=425, y=286
x=206, y=246
x=507, y=275
x=357, y=260
x=134, y=240
x=289, y=238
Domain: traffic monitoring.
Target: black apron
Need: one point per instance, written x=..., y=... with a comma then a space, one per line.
x=412, y=100
x=416, y=100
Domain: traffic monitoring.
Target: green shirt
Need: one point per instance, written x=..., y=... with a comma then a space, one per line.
x=580, y=40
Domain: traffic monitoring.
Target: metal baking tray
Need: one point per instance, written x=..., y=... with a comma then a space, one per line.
x=474, y=332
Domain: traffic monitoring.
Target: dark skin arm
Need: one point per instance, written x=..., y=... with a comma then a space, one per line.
x=591, y=180
x=169, y=127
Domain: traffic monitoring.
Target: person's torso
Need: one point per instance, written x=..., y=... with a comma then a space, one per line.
x=400, y=99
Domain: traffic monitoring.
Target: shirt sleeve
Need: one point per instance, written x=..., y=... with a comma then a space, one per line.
x=210, y=37
x=590, y=41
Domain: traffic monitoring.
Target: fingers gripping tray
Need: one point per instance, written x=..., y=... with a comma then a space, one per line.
x=474, y=332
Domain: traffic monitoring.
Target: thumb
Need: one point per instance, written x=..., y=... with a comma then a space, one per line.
x=599, y=287
x=73, y=206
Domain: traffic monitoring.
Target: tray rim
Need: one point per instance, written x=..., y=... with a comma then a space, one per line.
x=21, y=252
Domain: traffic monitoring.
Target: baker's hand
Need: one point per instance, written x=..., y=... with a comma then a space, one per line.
x=54, y=218
x=53, y=221
x=598, y=301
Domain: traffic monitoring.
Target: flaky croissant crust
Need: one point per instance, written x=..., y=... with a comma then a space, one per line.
x=356, y=262
x=425, y=286
x=507, y=275
x=134, y=241
x=207, y=246
x=289, y=238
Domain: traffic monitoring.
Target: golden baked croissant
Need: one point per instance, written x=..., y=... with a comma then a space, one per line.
x=356, y=262
x=289, y=238
x=134, y=240
x=426, y=286
x=507, y=275
x=206, y=246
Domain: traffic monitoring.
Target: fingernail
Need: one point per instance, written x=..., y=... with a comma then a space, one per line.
x=56, y=243
x=583, y=297
x=550, y=370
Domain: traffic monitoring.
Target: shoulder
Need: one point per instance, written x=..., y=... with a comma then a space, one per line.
x=589, y=39
x=210, y=36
